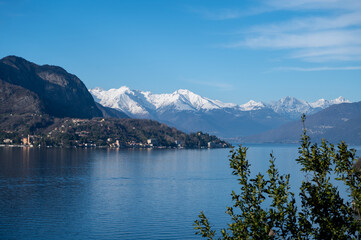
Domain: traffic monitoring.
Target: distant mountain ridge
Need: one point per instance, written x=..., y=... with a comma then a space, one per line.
x=34, y=97
x=294, y=107
x=340, y=122
x=47, y=106
x=138, y=103
x=191, y=112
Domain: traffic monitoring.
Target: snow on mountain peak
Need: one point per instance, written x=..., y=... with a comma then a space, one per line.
x=339, y=100
x=291, y=105
x=184, y=99
x=183, y=92
x=123, y=89
x=320, y=103
x=137, y=103
x=191, y=99
x=143, y=104
x=290, y=101
x=252, y=105
x=323, y=103
x=122, y=98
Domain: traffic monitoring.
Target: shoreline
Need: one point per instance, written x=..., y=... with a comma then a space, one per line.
x=100, y=147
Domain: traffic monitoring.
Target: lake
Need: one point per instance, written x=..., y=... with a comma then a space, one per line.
x=121, y=194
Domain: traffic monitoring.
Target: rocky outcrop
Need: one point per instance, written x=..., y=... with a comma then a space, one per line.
x=111, y=112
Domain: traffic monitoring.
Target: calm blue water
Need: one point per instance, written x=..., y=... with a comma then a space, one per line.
x=121, y=194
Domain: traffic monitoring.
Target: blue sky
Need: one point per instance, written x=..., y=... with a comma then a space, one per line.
x=232, y=51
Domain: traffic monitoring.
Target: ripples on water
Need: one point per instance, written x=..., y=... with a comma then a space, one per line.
x=120, y=194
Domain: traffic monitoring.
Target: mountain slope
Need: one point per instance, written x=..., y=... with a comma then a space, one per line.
x=336, y=123
x=294, y=108
x=111, y=112
x=141, y=104
x=190, y=112
x=49, y=106
x=16, y=99
x=44, y=89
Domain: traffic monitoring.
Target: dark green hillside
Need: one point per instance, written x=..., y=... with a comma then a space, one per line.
x=128, y=132
x=99, y=132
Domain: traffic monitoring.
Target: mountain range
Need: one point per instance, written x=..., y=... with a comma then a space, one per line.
x=47, y=106
x=341, y=122
x=190, y=112
x=39, y=98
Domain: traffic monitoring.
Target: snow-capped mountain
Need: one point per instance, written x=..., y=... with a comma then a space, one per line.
x=294, y=107
x=252, y=105
x=188, y=111
x=290, y=105
x=142, y=104
x=184, y=100
x=339, y=122
x=323, y=103
x=139, y=103
x=131, y=102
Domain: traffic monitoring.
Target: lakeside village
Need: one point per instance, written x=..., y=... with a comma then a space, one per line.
x=35, y=141
x=65, y=136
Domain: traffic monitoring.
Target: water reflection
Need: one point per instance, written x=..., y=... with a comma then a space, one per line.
x=120, y=194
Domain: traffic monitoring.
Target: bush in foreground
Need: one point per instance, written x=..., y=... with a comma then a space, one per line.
x=322, y=214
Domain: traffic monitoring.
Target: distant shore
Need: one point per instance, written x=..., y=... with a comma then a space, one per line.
x=103, y=147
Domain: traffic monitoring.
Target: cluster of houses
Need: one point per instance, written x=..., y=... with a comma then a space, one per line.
x=33, y=140
x=151, y=143
x=25, y=141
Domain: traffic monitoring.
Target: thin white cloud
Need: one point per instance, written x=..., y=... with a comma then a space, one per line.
x=325, y=30
x=331, y=31
x=324, y=54
x=300, y=69
x=228, y=13
x=313, y=4
x=304, y=40
x=220, y=85
x=264, y=6
x=221, y=14
x=311, y=24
